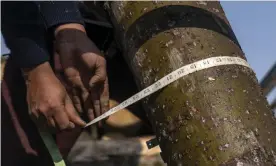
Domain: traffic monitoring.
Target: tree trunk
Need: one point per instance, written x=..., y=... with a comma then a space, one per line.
x=216, y=116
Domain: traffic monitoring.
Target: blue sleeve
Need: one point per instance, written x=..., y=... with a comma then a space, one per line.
x=59, y=12
x=24, y=33
x=25, y=24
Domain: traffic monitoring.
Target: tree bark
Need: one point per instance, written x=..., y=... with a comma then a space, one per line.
x=216, y=116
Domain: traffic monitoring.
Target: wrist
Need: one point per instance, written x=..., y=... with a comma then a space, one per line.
x=41, y=69
x=75, y=26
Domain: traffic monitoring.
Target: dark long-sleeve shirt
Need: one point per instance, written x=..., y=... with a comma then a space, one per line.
x=25, y=24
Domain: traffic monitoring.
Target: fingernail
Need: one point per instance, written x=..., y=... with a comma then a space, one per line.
x=91, y=85
x=71, y=125
x=80, y=110
x=83, y=122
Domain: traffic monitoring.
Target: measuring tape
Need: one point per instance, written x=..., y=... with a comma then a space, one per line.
x=52, y=147
x=171, y=77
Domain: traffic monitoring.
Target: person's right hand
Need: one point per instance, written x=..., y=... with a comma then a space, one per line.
x=84, y=68
x=47, y=97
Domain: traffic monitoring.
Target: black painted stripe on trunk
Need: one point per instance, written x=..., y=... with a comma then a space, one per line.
x=175, y=16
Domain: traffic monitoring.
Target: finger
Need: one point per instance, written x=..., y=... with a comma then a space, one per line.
x=61, y=118
x=90, y=59
x=52, y=127
x=36, y=117
x=96, y=104
x=72, y=114
x=85, y=96
x=90, y=113
x=35, y=113
x=73, y=77
x=100, y=73
x=104, y=97
x=78, y=85
x=76, y=100
x=51, y=122
x=33, y=109
x=71, y=125
x=88, y=105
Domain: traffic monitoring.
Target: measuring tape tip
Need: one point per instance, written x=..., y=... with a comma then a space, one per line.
x=86, y=126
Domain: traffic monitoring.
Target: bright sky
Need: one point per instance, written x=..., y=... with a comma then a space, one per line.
x=255, y=27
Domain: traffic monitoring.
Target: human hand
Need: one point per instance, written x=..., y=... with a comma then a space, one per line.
x=48, y=100
x=84, y=68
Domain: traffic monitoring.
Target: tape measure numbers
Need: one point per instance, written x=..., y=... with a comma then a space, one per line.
x=171, y=77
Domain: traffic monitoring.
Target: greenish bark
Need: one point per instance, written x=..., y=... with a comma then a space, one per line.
x=217, y=116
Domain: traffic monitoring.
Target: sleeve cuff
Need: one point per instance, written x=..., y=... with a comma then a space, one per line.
x=58, y=12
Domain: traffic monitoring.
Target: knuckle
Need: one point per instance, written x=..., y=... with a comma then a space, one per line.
x=105, y=104
x=75, y=80
x=105, y=100
x=62, y=126
x=101, y=61
x=76, y=100
x=78, y=107
x=54, y=107
x=71, y=72
x=43, y=109
x=97, y=104
x=85, y=95
x=101, y=78
x=90, y=111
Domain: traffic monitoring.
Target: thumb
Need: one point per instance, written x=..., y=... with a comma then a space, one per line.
x=95, y=80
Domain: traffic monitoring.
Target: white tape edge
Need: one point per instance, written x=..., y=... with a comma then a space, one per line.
x=171, y=77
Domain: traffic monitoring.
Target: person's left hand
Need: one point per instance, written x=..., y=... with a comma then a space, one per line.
x=84, y=68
